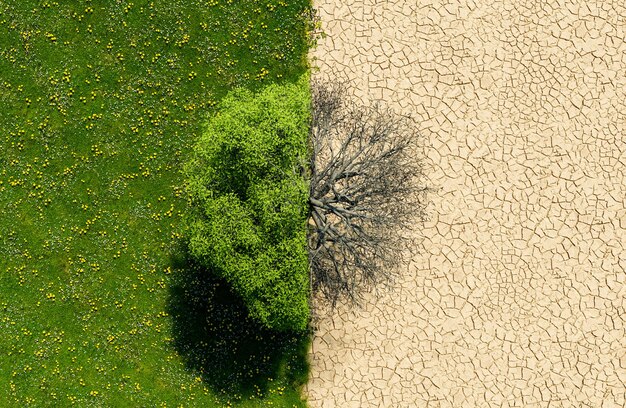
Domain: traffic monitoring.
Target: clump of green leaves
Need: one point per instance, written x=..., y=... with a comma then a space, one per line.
x=249, y=200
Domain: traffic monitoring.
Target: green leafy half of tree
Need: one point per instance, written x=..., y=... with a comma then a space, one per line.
x=249, y=200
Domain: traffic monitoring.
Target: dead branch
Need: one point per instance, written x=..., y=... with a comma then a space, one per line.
x=365, y=193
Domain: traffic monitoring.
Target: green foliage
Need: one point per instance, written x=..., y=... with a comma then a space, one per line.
x=249, y=201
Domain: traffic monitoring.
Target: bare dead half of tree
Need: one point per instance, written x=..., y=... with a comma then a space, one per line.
x=365, y=193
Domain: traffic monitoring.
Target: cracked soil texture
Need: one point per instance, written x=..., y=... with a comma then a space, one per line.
x=517, y=298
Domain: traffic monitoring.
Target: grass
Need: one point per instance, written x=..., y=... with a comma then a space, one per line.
x=101, y=102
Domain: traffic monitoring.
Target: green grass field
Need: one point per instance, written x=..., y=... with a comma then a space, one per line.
x=100, y=102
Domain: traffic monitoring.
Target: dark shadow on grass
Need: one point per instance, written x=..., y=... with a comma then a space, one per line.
x=234, y=355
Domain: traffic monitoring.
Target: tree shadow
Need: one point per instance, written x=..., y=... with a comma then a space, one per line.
x=233, y=354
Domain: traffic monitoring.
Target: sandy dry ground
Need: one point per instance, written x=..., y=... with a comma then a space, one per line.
x=518, y=298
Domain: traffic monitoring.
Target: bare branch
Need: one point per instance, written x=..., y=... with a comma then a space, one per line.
x=365, y=193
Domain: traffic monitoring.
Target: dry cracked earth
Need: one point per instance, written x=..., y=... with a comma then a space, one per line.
x=517, y=297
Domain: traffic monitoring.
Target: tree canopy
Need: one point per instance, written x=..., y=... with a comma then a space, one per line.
x=249, y=200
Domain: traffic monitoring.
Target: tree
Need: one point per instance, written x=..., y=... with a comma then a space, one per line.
x=249, y=201
x=365, y=193
x=255, y=183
